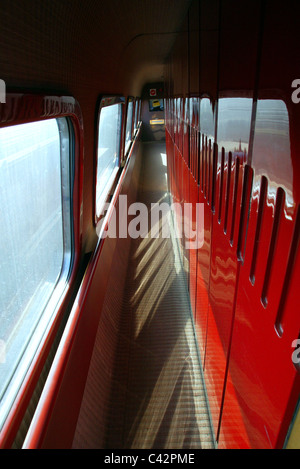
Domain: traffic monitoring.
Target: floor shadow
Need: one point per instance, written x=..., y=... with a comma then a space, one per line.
x=157, y=394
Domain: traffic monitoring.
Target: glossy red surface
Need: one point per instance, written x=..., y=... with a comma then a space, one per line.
x=238, y=291
x=243, y=288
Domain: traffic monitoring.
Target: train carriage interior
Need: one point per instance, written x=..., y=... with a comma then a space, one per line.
x=150, y=221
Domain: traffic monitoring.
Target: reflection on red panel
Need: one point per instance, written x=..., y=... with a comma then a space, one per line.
x=267, y=306
x=223, y=280
x=193, y=252
x=243, y=279
x=243, y=160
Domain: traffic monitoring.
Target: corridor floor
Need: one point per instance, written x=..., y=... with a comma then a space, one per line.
x=157, y=397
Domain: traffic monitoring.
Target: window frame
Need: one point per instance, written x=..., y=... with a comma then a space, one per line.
x=127, y=145
x=21, y=109
x=106, y=101
x=136, y=115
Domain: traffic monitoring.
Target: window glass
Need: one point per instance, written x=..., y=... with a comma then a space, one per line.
x=128, y=125
x=136, y=114
x=35, y=236
x=108, y=151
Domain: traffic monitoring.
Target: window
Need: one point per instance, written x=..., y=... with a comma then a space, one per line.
x=128, y=134
x=136, y=114
x=108, y=154
x=35, y=241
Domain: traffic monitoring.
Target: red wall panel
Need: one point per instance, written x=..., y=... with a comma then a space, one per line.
x=243, y=279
